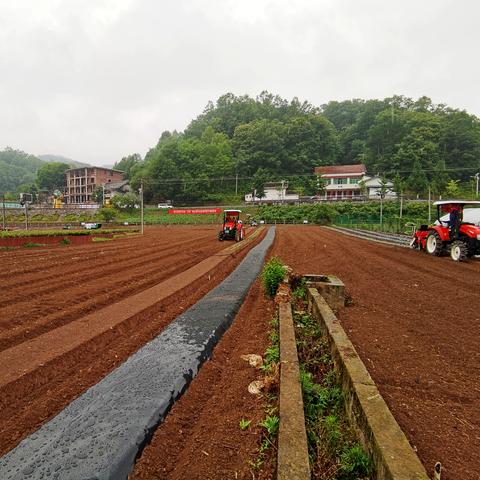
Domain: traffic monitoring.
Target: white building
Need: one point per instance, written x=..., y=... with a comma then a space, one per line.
x=351, y=182
x=342, y=181
x=274, y=193
x=373, y=186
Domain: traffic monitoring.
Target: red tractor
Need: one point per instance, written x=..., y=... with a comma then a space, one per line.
x=450, y=233
x=232, y=228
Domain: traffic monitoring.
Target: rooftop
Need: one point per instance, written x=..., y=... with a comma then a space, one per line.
x=358, y=169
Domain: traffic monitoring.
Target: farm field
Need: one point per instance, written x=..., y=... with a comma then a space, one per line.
x=44, y=290
x=414, y=319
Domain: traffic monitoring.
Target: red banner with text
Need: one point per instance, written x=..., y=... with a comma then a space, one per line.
x=195, y=211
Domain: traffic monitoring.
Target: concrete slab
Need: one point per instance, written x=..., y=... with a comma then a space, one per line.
x=330, y=287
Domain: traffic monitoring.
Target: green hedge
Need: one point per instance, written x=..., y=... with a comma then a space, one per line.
x=342, y=212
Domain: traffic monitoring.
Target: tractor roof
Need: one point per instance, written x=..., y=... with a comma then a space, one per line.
x=457, y=202
x=239, y=211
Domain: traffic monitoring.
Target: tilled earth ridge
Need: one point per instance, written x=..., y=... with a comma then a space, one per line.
x=415, y=321
x=34, y=398
x=201, y=438
x=105, y=425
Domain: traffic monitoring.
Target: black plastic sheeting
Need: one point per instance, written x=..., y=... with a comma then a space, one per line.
x=101, y=433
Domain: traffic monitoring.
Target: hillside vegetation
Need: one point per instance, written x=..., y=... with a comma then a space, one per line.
x=22, y=172
x=241, y=142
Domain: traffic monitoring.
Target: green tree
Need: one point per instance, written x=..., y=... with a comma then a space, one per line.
x=259, y=180
x=417, y=181
x=452, y=189
x=51, y=176
x=127, y=202
x=129, y=165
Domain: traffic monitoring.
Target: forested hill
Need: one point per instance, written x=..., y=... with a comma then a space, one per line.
x=414, y=142
x=62, y=159
x=18, y=170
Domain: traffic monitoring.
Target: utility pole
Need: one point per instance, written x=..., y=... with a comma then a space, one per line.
x=429, y=205
x=26, y=215
x=236, y=183
x=103, y=195
x=477, y=178
x=141, y=206
x=4, y=215
x=401, y=206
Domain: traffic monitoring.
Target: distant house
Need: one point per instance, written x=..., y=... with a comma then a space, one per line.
x=373, y=187
x=274, y=193
x=351, y=182
x=121, y=187
x=82, y=182
x=342, y=181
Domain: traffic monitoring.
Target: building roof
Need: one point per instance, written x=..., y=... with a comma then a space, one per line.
x=457, y=202
x=116, y=185
x=358, y=169
x=94, y=166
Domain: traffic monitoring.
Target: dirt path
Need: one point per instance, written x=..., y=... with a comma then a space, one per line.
x=34, y=398
x=415, y=321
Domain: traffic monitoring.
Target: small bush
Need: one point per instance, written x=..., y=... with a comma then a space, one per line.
x=272, y=275
x=65, y=241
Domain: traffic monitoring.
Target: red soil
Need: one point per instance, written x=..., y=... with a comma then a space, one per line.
x=414, y=320
x=43, y=290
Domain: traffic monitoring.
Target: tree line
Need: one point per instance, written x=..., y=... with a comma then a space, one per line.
x=240, y=142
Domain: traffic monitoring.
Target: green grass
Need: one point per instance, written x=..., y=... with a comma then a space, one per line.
x=32, y=245
x=332, y=444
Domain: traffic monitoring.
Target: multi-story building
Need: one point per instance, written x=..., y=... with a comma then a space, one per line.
x=342, y=181
x=82, y=182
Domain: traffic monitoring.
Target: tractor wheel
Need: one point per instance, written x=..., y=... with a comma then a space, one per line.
x=434, y=244
x=237, y=235
x=459, y=251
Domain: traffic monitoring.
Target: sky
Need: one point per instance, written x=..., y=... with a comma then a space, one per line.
x=96, y=80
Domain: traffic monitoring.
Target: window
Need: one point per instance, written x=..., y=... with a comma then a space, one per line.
x=353, y=180
x=339, y=181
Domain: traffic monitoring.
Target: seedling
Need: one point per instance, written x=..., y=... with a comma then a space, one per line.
x=270, y=424
x=244, y=423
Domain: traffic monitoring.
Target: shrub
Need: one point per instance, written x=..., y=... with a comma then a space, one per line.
x=272, y=275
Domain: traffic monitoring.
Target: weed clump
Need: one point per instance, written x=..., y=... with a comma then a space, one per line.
x=272, y=275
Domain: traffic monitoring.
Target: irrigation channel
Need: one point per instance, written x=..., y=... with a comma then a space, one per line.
x=101, y=433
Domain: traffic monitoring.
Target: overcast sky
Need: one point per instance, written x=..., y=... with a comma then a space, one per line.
x=95, y=80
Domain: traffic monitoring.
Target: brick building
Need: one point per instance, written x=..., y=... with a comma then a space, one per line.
x=82, y=182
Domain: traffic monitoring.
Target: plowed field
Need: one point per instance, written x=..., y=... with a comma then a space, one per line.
x=45, y=289
x=414, y=319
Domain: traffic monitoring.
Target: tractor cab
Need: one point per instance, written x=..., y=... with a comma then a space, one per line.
x=450, y=232
x=232, y=227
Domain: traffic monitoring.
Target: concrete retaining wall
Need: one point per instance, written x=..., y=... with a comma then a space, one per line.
x=380, y=434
